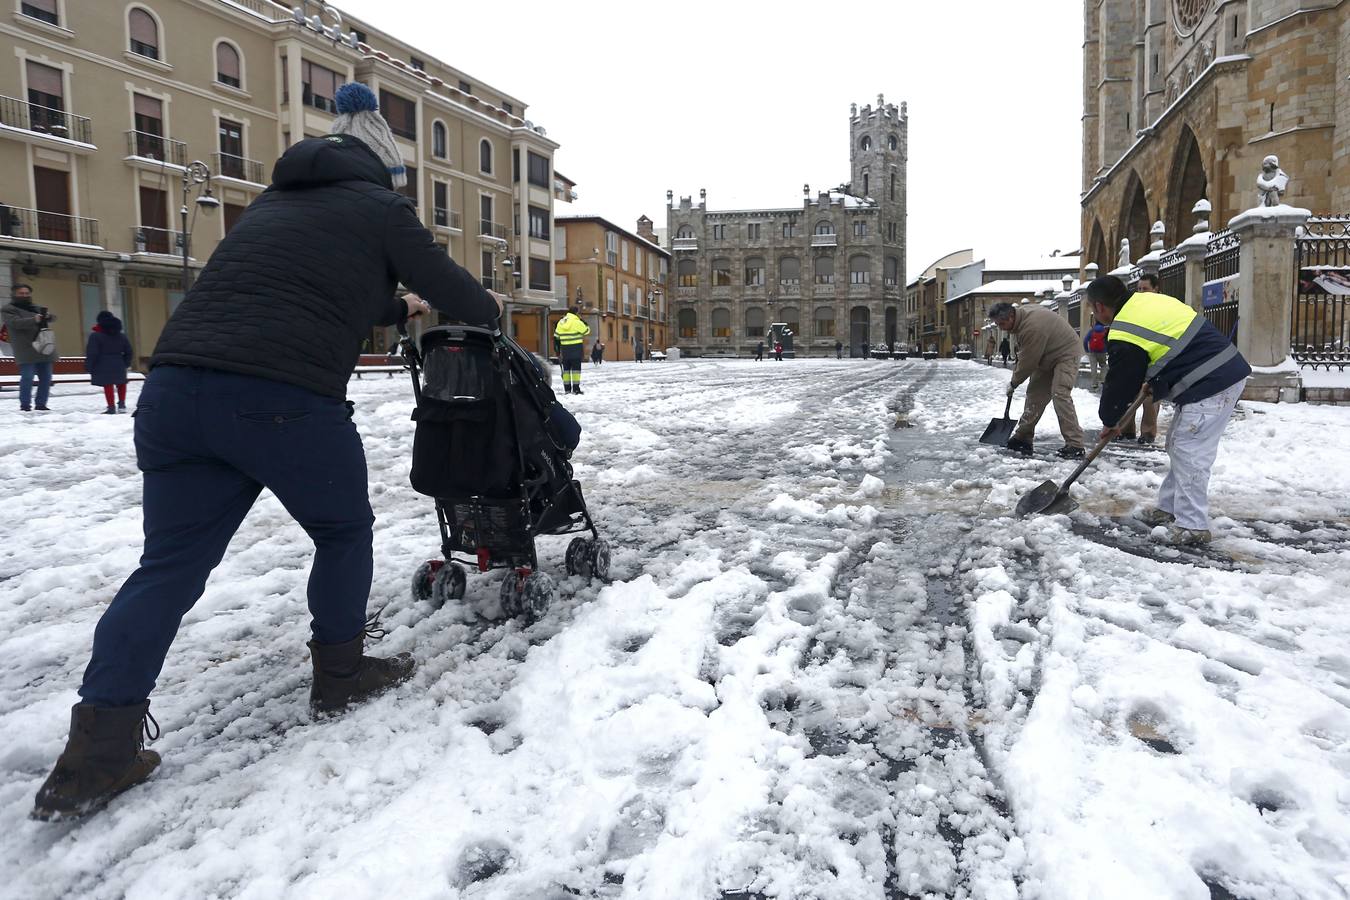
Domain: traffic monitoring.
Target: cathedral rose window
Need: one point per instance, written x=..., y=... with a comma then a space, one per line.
x=1188, y=13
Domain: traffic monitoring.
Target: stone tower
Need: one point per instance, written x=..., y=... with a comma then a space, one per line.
x=878, y=159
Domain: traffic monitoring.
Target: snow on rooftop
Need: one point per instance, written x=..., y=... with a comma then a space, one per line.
x=1023, y=286
x=1041, y=264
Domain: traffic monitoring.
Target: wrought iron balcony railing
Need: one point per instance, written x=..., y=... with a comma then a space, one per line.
x=35, y=224
x=145, y=239
x=241, y=167
x=55, y=123
x=156, y=146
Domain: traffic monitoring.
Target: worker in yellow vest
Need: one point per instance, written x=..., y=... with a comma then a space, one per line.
x=569, y=334
x=1187, y=361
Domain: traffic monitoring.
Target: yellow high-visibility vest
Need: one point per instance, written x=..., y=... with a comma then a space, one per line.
x=1163, y=326
x=571, y=330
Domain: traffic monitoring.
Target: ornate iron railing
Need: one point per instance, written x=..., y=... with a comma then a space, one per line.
x=156, y=146
x=1172, y=275
x=1221, y=256
x=56, y=123
x=1320, y=326
x=35, y=224
x=241, y=167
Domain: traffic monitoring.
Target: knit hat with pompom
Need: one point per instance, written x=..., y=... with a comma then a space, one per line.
x=358, y=115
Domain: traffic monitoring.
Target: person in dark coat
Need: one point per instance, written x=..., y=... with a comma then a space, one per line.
x=247, y=390
x=759, y=352
x=866, y=350
x=1004, y=348
x=107, y=356
x=595, y=353
x=838, y=349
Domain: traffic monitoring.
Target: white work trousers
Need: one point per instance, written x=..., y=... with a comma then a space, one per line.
x=1192, y=445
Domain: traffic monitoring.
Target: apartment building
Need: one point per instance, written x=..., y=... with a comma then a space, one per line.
x=618, y=277
x=111, y=116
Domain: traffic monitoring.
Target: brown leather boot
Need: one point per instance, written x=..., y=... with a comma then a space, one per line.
x=104, y=756
x=344, y=675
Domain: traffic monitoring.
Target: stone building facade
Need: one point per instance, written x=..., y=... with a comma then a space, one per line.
x=104, y=105
x=1184, y=98
x=831, y=269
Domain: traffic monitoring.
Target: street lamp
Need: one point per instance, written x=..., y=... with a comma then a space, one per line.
x=195, y=175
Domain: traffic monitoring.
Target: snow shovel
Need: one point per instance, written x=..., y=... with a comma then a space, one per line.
x=1051, y=499
x=999, y=430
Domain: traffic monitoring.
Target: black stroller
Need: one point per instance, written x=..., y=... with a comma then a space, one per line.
x=487, y=451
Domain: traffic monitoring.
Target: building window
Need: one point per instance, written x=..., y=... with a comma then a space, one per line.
x=754, y=322
x=719, y=232
x=721, y=323
x=686, y=320
x=859, y=228
x=485, y=156
x=721, y=272
x=320, y=86
x=540, y=274
x=538, y=169
x=637, y=260
x=400, y=113
x=611, y=248
x=892, y=185
x=790, y=320
x=489, y=276
x=867, y=181
x=790, y=228
x=465, y=87
x=824, y=228
x=891, y=271
x=627, y=300
x=866, y=143
x=228, y=70
x=46, y=99
x=824, y=322
x=439, y=143
x=417, y=64
x=789, y=270
x=892, y=142
x=232, y=212
x=539, y=223
x=609, y=294
x=155, y=220
x=231, y=140
x=684, y=231
x=508, y=108
x=754, y=271
x=149, y=121
x=45, y=10
x=624, y=248
x=824, y=270
x=144, y=33
x=440, y=203
x=485, y=214
x=409, y=190
x=752, y=231
x=859, y=270
x=686, y=273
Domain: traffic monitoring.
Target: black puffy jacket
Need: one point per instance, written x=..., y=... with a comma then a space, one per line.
x=310, y=268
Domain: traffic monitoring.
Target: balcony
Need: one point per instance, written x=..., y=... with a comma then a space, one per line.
x=240, y=167
x=156, y=240
x=684, y=244
x=489, y=233
x=789, y=288
x=45, y=121
x=825, y=240
x=144, y=145
x=446, y=218
x=36, y=225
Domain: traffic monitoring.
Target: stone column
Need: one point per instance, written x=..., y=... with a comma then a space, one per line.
x=1265, y=287
x=1193, y=250
x=110, y=272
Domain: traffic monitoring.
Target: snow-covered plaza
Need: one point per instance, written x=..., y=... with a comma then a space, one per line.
x=830, y=664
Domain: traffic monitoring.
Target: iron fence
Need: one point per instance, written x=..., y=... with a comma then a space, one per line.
x=145, y=239
x=1320, y=326
x=156, y=146
x=1172, y=275
x=33, y=117
x=36, y=224
x=1221, y=256
x=231, y=166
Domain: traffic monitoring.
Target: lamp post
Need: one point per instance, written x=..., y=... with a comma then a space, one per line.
x=195, y=175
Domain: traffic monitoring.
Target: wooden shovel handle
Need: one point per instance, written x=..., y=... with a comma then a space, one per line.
x=1104, y=440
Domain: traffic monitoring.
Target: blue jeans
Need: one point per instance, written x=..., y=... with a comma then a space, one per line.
x=43, y=371
x=207, y=443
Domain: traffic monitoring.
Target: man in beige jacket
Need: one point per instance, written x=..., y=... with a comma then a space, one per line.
x=1048, y=352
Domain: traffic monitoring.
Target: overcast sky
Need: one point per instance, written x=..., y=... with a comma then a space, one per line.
x=750, y=100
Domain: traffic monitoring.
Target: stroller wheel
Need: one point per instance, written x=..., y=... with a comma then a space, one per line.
x=578, y=558
x=511, y=594
x=423, y=577
x=448, y=585
x=599, y=559
x=537, y=595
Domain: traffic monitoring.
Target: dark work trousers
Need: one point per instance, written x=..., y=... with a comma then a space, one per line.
x=208, y=442
x=571, y=365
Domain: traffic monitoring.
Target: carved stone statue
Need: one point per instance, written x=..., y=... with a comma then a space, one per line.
x=1271, y=183
x=1124, y=260
x=1206, y=54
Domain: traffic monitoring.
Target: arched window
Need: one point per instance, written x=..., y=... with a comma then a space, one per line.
x=228, y=68
x=144, y=33
x=485, y=156
x=754, y=271
x=754, y=322
x=686, y=320
x=824, y=270
x=721, y=272
x=892, y=142
x=892, y=324
x=825, y=228
x=859, y=269
x=824, y=321
x=891, y=271
x=439, y=143
x=721, y=323
x=687, y=272
x=791, y=319
x=865, y=143
x=789, y=270
x=684, y=232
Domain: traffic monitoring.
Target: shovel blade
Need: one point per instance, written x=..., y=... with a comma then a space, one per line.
x=1046, y=499
x=998, y=432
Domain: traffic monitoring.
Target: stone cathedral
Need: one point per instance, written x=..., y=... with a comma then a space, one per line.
x=831, y=269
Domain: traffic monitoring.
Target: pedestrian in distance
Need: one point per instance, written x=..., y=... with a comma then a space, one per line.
x=1159, y=340
x=569, y=334
x=778, y=350
x=637, y=349
x=107, y=356
x=1004, y=349
x=26, y=325
x=1094, y=342
x=866, y=350
x=247, y=391
x=759, y=352
x=600, y=353
x=1146, y=429
x=838, y=349
x=1048, y=352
